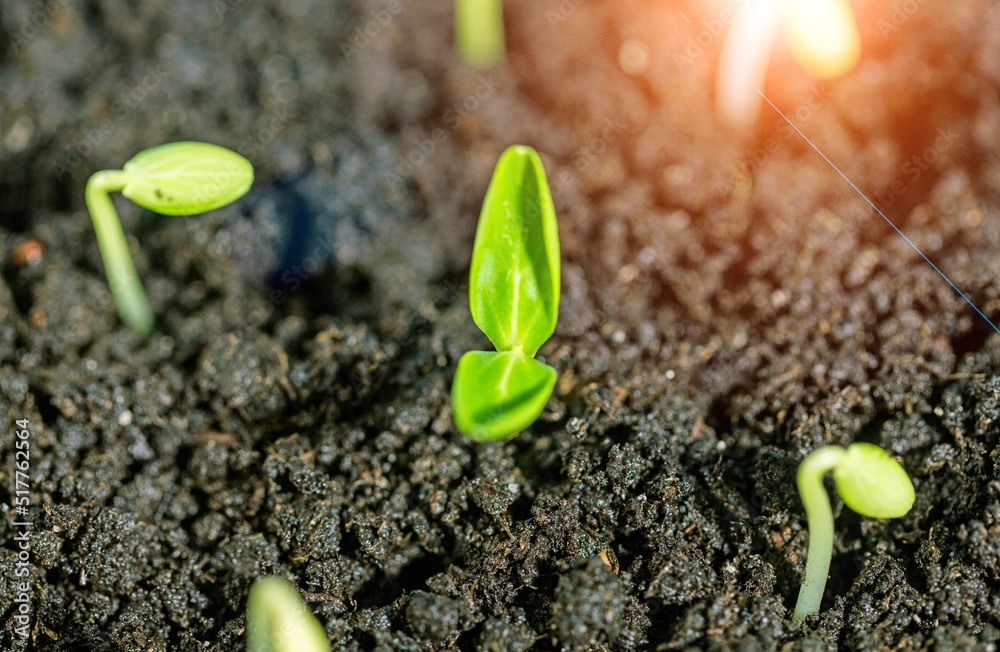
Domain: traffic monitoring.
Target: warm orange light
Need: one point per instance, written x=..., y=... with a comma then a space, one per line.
x=745, y=56
x=822, y=35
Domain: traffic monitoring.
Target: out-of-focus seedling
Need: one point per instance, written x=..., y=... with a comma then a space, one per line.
x=822, y=36
x=279, y=621
x=514, y=299
x=479, y=35
x=870, y=482
x=183, y=178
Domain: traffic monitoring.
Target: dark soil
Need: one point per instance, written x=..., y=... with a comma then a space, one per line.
x=729, y=305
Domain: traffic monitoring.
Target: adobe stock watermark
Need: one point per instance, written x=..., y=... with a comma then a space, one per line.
x=800, y=115
x=293, y=278
x=901, y=11
x=562, y=12
x=124, y=104
x=453, y=117
x=276, y=122
x=783, y=132
x=711, y=30
x=35, y=24
x=916, y=166
x=21, y=525
x=223, y=7
x=369, y=27
x=588, y=154
x=449, y=291
x=296, y=276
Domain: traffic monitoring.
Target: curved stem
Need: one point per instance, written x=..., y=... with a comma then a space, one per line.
x=820, y=518
x=126, y=288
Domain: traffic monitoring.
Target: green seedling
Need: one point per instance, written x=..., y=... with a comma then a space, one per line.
x=279, y=621
x=479, y=35
x=514, y=299
x=870, y=482
x=183, y=178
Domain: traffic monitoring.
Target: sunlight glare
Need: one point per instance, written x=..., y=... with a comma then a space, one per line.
x=822, y=36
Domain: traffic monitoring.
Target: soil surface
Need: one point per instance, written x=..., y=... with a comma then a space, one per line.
x=729, y=305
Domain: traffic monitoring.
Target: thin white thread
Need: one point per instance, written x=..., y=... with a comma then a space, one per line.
x=877, y=209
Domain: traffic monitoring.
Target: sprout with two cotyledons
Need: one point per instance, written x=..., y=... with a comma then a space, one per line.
x=870, y=482
x=514, y=299
x=183, y=178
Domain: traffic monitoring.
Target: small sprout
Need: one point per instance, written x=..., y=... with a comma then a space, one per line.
x=183, y=178
x=479, y=35
x=514, y=299
x=279, y=621
x=870, y=482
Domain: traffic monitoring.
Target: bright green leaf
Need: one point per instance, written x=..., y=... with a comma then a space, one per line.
x=873, y=483
x=186, y=178
x=514, y=281
x=279, y=621
x=496, y=394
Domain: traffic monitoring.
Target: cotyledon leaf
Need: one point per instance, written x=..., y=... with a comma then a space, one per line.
x=186, y=178
x=496, y=394
x=514, y=279
x=279, y=621
x=873, y=483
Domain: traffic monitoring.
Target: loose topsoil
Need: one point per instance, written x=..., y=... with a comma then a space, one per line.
x=729, y=304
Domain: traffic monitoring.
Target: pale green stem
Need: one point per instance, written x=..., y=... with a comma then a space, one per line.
x=479, y=35
x=820, y=518
x=126, y=288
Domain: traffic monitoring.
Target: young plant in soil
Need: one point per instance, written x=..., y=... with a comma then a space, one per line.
x=870, y=482
x=183, y=178
x=479, y=35
x=514, y=299
x=279, y=621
